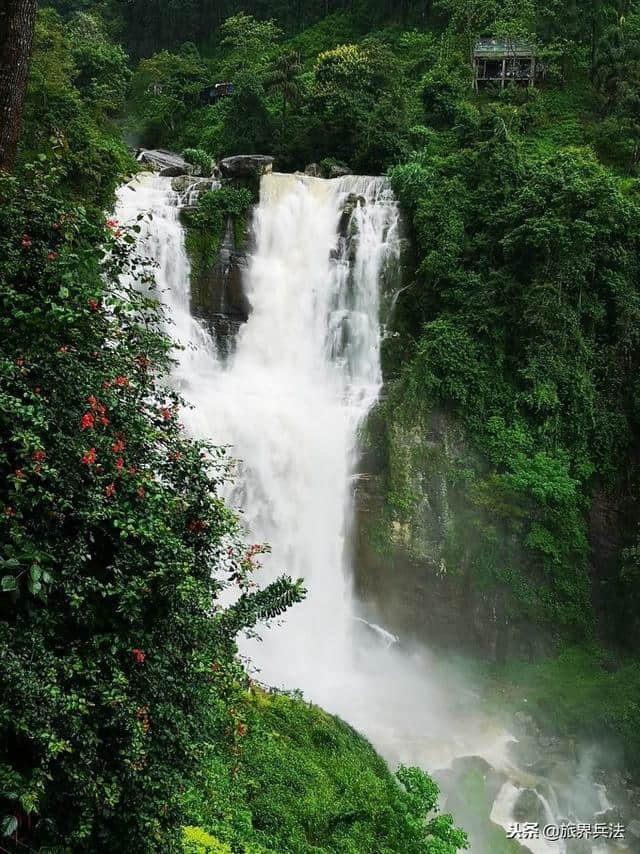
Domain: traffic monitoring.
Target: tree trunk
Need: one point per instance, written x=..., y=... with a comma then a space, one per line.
x=17, y=21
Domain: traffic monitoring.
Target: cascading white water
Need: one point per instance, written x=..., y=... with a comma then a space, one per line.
x=289, y=400
x=304, y=373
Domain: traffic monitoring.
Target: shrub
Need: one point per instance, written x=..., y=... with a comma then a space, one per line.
x=199, y=158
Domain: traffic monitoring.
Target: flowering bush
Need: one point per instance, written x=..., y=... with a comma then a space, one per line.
x=115, y=545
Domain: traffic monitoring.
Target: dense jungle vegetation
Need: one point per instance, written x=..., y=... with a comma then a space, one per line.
x=124, y=713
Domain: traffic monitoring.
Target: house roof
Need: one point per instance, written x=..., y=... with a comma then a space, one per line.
x=502, y=47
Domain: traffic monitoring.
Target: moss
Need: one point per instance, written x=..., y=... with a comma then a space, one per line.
x=205, y=224
x=474, y=799
x=584, y=692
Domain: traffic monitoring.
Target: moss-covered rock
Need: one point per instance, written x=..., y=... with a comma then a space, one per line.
x=304, y=782
x=218, y=239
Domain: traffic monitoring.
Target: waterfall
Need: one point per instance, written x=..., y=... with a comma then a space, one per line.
x=288, y=401
x=304, y=374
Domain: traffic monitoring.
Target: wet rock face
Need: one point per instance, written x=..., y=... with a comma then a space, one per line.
x=187, y=183
x=217, y=290
x=403, y=571
x=350, y=204
x=246, y=165
x=529, y=807
x=334, y=170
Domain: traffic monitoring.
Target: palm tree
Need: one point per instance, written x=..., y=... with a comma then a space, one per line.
x=284, y=78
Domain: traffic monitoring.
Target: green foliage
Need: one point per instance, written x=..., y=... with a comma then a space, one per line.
x=206, y=223
x=199, y=158
x=584, y=693
x=306, y=782
x=284, y=78
x=76, y=85
x=115, y=543
x=357, y=105
x=197, y=841
x=530, y=310
x=164, y=88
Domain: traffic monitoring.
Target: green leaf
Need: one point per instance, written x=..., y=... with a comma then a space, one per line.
x=9, y=825
x=8, y=584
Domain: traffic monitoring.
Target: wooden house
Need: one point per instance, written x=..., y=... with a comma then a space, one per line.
x=496, y=63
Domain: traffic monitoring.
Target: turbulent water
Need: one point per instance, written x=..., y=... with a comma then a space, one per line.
x=289, y=400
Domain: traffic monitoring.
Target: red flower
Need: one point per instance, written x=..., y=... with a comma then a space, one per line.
x=64, y=348
x=121, y=381
x=38, y=456
x=19, y=474
x=106, y=384
x=165, y=414
x=120, y=464
x=88, y=421
x=141, y=491
x=20, y=363
x=139, y=655
x=52, y=256
x=55, y=225
x=26, y=242
x=111, y=223
x=143, y=361
x=110, y=490
x=93, y=304
x=9, y=512
x=104, y=421
x=89, y=458
x=96, y=405
x=197, y=525
x=118, y=447
x=131, y=470
x=37, y=389
x=176, y=455
x=117, y=233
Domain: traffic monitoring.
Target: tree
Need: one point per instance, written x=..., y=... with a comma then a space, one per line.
x=284, y=78
x=358, y=102
x=250, y=44
x=17, y=21
x=470, y=18
x=164, y=88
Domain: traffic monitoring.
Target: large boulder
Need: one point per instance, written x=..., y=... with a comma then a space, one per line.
x=338, y=170
x=314, y=170
x=174, y=171
x=167, y=163
x=246, y=165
